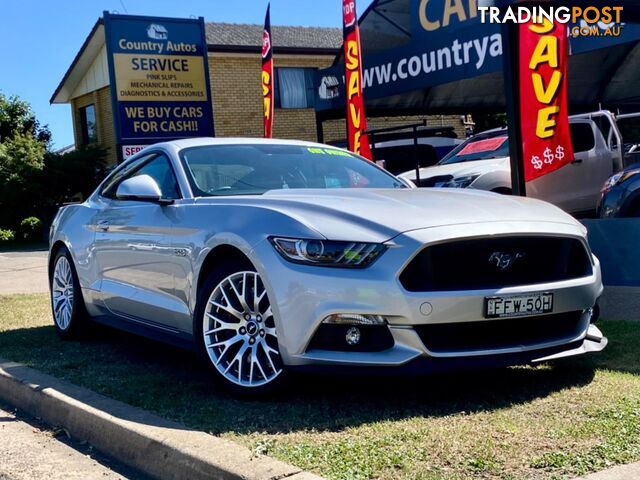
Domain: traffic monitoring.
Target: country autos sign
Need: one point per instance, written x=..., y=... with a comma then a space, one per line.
x=159, y=78
x=447, y=42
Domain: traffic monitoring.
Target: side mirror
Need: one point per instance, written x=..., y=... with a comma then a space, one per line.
x=142, y=187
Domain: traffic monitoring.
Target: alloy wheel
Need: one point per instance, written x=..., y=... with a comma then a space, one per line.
x=240, y=333
x=62, y=293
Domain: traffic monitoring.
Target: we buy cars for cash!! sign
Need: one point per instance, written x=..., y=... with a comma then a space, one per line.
x=159, y=78
x=546, y=138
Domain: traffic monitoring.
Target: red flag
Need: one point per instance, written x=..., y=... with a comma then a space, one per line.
x=546, y=138
x=267, y=75
x=356, y=119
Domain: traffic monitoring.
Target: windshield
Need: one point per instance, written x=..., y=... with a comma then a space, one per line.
x=481, y=147
x=255, y=169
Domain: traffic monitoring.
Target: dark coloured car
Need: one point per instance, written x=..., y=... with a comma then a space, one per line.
x=621, y=194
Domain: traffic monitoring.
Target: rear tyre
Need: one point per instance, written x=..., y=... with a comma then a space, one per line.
x=67, y=305
x=236, y=330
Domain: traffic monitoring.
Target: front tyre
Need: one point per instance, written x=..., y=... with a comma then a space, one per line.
x=67, y=305
x=237, y=330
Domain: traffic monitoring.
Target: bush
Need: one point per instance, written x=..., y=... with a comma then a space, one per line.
x=31, y=228
x=40, y=192
x=7, y=235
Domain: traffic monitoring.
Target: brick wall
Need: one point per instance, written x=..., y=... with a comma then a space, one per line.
x=104, y=119
x=106, y=130
x=237, y=96
x=237, y=104
x=237, y=101
x=336, y=129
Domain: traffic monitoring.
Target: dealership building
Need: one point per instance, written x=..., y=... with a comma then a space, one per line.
x=234, y=89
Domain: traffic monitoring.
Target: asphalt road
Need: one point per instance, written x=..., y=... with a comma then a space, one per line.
x=23, y=272
x=29, y=451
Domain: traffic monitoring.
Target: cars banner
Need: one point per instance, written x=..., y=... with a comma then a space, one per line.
x=358, y=141
x=544, y=111
x=267, y=75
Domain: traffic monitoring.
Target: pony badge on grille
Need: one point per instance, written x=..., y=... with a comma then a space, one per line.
x=503, y=260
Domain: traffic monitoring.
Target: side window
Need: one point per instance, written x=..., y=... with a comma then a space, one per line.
x=156, y=166
x=294, y=87
x=111, y=185
x=582, y=137
x=160, y=170
x=88, y=124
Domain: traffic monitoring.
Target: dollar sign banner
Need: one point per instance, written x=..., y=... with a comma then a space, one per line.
x=549, y=157
x=536, y=162
x=546, y=138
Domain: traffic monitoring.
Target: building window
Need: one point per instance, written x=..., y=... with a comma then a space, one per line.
x=294, y=87
x=88, y=124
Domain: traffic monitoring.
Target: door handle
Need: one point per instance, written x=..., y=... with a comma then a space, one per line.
x=103, y=225
x=576, y=161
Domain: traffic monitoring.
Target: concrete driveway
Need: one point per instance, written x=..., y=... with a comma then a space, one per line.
x=23, y=272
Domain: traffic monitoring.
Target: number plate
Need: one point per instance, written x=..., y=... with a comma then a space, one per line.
x=518, y=305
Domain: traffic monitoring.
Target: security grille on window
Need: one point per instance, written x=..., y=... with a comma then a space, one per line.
x=88, y=124
x=294, y=87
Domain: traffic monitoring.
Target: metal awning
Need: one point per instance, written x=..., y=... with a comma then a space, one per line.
x=603, y=71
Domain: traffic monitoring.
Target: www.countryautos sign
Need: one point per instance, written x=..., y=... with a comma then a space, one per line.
x=448, y=42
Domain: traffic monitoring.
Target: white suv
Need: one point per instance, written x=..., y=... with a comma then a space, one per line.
x=482, y=162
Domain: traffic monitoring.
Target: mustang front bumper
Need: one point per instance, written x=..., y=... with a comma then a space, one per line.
x=303, y=296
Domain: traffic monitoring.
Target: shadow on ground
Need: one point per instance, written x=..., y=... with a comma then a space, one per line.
x=175, y=384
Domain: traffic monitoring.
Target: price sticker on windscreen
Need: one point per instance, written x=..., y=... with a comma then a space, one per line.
x=486, y=145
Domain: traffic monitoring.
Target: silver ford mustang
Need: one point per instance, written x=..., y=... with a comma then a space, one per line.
x=272, y=256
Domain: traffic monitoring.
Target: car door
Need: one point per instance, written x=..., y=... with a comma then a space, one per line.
x=133, y=253
x=598, y=165
x=569, y=186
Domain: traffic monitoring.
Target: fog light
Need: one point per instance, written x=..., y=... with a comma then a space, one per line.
x=355, y=319
x=353, y=336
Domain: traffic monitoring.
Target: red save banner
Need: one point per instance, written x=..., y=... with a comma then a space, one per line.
x=546, y=139
x=356, y=120
x=267, y=75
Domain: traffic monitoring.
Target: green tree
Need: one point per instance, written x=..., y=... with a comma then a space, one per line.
x=20, y=156
x=23, y=146
x=23, y=142
x=17, y=118
x=35, y=181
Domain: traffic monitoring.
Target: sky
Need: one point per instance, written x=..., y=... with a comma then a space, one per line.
x=40, y=38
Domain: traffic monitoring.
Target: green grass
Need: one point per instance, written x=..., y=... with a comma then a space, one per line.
x=557, y=421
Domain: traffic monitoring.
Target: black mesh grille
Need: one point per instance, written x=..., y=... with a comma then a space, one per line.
x=498, y=334
x=468, y=264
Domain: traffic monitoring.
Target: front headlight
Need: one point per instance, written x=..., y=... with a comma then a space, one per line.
x=618, y=178
x=461, y=182
x=327, y=253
